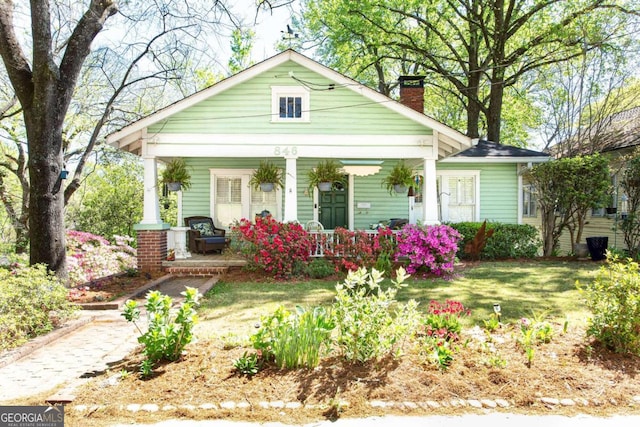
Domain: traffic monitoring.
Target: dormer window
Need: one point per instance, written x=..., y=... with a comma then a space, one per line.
x=289, y=104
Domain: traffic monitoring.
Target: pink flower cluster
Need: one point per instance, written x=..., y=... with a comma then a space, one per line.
x=91, y=257
x=431, y=248
x=442, y=320
x=275, y=247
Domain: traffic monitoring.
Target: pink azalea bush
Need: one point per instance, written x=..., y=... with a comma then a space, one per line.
x=280, y=249
x=431, y=249
x=91, y=257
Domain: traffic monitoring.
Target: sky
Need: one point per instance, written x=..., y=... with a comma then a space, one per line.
x=268, y=27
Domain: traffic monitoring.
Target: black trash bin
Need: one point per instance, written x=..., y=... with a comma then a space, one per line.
x=597, y=247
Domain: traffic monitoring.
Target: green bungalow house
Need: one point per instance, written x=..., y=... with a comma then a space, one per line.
x=295, y=112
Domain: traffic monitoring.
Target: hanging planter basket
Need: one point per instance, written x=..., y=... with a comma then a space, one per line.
x=267, y=186
x=174, y=186
x=400, y=188
x=324, y=186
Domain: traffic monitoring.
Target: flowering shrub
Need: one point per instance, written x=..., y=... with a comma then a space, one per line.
x=91, y=257
x=354, y=249
x=431, y=248
x=441, y=328
x=443, y=320
x=280, y=249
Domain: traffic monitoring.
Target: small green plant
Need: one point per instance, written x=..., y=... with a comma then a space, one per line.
x=614, y=299
x=367, y=328
x=231, y=340
x=267, y=173
x=495, y=361
x=124, y=374
x=131, y=272
x=294, y=340
x=492, y=323
x=247, y=364
x=168, y=332
x=438, y=351
x=533, y=333
x=319, y=268
x=146, y=368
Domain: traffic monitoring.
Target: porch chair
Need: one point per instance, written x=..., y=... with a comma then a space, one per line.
x=203, y=236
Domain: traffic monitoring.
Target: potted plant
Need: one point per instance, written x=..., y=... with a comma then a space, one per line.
x=176, y=175
x=399, y=179
x=266, y=177
x=325, y=175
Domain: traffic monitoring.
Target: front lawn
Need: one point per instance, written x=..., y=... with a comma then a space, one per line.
x=526, y=372
x=521, y=288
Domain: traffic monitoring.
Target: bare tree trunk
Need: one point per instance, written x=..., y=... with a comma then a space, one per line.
x=46, y=219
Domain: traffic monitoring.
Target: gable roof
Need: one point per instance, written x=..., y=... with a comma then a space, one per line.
x=499, y=153
x=615, y=132
x=452, y=140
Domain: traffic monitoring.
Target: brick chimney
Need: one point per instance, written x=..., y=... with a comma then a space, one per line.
x=412, y=92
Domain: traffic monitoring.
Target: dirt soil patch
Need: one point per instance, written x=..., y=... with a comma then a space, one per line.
x=493, y=367
x=110, y=288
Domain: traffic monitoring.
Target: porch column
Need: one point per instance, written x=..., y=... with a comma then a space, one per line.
x=430, y=196
x=151, y=207
x=291, y=190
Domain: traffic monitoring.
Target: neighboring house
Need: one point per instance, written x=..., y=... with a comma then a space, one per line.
x=296, y=112
x=616, y=136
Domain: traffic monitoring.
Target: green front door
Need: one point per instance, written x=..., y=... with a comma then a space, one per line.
x=333, y=210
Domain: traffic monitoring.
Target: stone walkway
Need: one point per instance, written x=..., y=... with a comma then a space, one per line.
x=103, y=339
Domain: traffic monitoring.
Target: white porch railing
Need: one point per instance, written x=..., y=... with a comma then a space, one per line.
x=324, y=240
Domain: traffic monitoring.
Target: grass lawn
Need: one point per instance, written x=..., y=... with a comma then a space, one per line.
x=522, y=289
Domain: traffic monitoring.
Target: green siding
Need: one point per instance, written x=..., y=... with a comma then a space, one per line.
x=498, y=189
x=384, y=206
x=196, y=201
x=246, y=108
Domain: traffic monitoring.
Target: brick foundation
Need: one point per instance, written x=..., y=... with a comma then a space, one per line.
x=152, y=250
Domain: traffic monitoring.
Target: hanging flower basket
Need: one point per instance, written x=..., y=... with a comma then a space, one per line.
x=266, y=177
x=324, y=186
x=267, y=186
x=174, y=186
x=400, y=188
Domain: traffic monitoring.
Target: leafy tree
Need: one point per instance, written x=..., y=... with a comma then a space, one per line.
x=109, y=201
x=580, y=95
x=630, y=224
x=474, y=50
x=46, y=71
x=566, y=190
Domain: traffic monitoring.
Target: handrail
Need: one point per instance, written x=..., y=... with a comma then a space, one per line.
x=324, y=240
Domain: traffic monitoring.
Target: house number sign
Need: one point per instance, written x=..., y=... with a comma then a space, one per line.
x=285, y=151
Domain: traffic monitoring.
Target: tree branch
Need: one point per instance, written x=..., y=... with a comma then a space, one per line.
x=15, y=61
x=79, y=44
